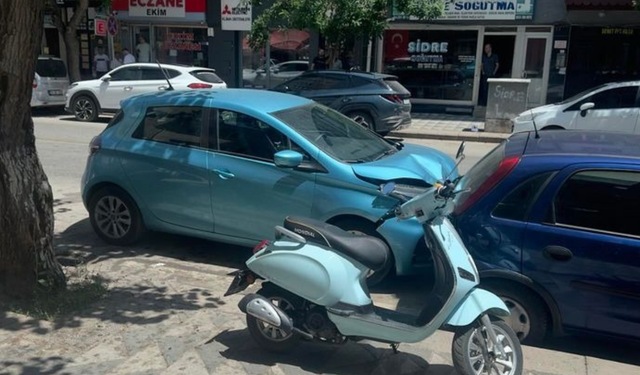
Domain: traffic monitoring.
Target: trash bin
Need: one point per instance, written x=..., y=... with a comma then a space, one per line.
x=507, y=98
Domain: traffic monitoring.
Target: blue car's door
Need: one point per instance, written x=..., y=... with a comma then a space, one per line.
x=167, y=165
x=250, y=195
x=583, y=245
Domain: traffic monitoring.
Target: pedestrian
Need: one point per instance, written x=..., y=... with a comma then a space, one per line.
x=336, y=62
x=128, y=58
x=117, y=60
x=100, y=63
x=488, y=69
x=144, y=50
x=320, y=62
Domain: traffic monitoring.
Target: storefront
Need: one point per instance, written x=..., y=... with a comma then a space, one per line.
x=440, y=62
x=169, y=31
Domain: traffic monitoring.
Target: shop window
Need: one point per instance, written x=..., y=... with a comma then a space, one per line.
x=433, y=64
x=289, y=57
x=182, y=45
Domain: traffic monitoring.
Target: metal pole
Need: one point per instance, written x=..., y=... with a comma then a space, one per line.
x=369, y=47
x=268, y=66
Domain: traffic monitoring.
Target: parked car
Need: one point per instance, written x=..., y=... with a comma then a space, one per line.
x=376, y=101
x=552, y=225
x=230, y=165
x=609, y=107
x=280, y=73
x=88, y=99
x=50, y=83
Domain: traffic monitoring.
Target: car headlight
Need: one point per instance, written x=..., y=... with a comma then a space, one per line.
x=525, y=117
x=73, y=85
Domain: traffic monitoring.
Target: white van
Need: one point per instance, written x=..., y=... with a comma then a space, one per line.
x=51, y=83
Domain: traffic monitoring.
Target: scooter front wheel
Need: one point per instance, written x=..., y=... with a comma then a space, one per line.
x=475, y=354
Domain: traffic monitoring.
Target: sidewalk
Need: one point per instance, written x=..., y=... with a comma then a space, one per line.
x=165, y=314
x=448, y=127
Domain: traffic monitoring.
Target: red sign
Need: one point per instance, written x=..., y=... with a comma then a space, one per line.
x=100, y=27
x=190, y=6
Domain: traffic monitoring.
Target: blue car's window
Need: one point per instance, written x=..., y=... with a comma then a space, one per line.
x=244, y=135
x=335, y=134
x=516, y=205
x=176, y=125
x=600, y=200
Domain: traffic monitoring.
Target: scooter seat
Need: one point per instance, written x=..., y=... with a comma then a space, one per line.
x=370, y=251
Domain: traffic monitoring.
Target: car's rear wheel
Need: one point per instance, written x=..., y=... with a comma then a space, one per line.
x=363, y=118
x=85, y=109
x=115, y=217
x=364, y=228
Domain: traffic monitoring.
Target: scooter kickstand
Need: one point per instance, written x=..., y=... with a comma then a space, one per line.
x=395, y=348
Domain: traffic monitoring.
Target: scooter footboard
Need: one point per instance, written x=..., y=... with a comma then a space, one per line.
x=476, y=303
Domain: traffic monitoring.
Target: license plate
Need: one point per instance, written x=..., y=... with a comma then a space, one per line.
x=55, y=92
x=243, y=278
x=407, y=101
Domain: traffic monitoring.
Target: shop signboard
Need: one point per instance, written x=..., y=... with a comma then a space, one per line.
x=157, y=8
x=472, y=10
x=235, y=15
x=100, y=27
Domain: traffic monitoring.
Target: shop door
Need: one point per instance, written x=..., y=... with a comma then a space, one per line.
x=535, y=67
x=142, y=44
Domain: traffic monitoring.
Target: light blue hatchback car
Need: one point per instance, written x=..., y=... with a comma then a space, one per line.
x=229, y=165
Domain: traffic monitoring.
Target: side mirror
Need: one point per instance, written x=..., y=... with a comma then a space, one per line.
x=106, y=78
x=275, y=70
x=460, y=153
x=260, y=71
x=585, y=108
x=287, y=159
x=388, y=188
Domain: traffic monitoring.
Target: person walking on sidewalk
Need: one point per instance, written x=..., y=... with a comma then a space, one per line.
x=128, y=57
x=100, y=63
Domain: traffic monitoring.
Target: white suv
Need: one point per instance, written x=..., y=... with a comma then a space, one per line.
x=88, y=99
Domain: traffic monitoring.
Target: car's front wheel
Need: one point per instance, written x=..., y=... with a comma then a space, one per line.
x=85, y=109
x=115, y=217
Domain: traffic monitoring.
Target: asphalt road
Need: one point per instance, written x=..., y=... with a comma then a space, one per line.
x=63, y=142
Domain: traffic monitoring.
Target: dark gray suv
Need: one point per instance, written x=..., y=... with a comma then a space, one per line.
x=377, y=101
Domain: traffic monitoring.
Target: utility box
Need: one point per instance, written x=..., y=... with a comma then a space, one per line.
x=506, y=99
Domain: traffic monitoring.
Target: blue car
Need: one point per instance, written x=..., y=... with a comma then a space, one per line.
x=553, y=225
x=229, y=165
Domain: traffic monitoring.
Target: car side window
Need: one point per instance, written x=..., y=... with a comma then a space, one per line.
x=126, y=74
x=287, y=68
x=180, y=126
x=360, y=82
x=600, y=200
x=516, y=205
x=153, y=74
x=622, y=97
x=244, y=135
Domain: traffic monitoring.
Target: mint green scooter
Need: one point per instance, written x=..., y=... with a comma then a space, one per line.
x=315, y=289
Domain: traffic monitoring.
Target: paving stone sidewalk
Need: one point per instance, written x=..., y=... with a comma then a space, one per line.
x=165, y=314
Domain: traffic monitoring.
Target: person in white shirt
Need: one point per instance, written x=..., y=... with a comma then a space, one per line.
x=117, y=60
x=128, y=57
x=144, y=50
x=100, y=63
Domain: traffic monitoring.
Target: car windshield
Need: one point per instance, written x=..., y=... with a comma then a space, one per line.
x=51, y=68
x=333, y=133
x=207, y=76
x=580, y=95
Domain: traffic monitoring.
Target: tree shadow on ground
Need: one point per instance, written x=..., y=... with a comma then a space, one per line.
x=351, y=358
x=130, y=305
x=79, y=243
x=607, y=348
x=36, y=366
x=100, y=120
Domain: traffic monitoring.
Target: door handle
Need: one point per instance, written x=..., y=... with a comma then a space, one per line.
x=346, y=100
x=223, y=174
x=559, y=253
x=162, y=88
x=128, y=88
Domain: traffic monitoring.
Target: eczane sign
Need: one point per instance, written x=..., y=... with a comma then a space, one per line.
x=157, y=8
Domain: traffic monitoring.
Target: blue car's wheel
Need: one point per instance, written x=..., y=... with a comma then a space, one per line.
x=115, y=217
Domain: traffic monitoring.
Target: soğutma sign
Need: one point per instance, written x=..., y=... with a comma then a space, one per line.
x=483, y=10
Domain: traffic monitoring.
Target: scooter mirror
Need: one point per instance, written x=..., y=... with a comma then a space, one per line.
x=388, y=188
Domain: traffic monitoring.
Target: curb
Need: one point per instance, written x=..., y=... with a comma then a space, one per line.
x=453, y=136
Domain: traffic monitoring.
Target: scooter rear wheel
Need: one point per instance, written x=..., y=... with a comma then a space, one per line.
x=474, y=353
x=267, y=336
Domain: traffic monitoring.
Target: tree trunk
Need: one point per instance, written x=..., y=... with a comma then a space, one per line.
x=73, y=59
x=26, y=201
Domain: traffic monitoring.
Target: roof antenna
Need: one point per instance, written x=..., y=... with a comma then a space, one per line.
x=166, y=76
x=535, y=127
